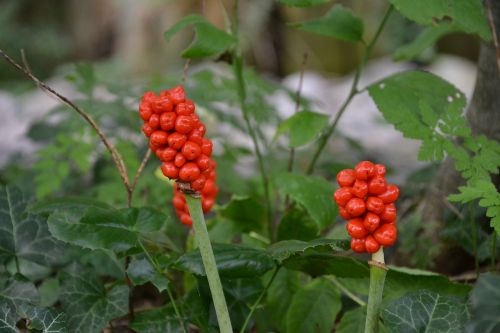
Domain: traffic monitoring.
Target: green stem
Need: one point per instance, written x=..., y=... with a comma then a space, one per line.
x=325, y=136
x=170, y=296
x=240, y=83
x=18, y=268
x=377, y=279
x=346, y=291
x=208, y=258
x=493, y=250
x=474, y=237
x=257, y=302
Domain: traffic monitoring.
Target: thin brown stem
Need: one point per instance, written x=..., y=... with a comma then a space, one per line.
x=137, y=175
x=185, y=71
x=491, y=21
x=115, y=155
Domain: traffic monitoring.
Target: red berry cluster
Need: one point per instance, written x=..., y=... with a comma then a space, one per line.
x=176, y=136
x=367, y=202
x=208, y=195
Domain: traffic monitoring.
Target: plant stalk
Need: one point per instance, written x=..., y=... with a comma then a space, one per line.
x=325, y=136
x=208, y=258
x=378, y=271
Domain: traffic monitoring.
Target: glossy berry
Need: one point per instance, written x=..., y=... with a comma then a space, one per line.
x=170, y=170
x=389, y=214
x=177, y=94
x=154, y=121
x=176, y=140
x=375, y=205
x=189, y=172
x=198, y=183
x=184, y=124
x=356, y=229
x=371, y=222
x=342, y=196
x=167, y=154
x=360, y=188
x=147, y=130
x=377, y=185
x=355, y=207
x=358, y=245
x=167, y=121
x=162, y=104
x=206, y=147
x=158, y=138
x=346, y=177
x=191, y=150
x=371, y=244
x=345, y=215
x=390, y=195
x=380, y=170
x=185, y=108
x=364, y=170
x=386, y=234
x=179, y=160
x=145, y=112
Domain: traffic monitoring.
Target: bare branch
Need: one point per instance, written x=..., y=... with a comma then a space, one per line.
x=493, y=31
x=185, y=71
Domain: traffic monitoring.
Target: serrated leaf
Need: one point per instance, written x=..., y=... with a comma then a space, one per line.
x=24, y=235
x=303, y=127
x=284, y=250
x=313, y=308
x=467, y=15
x=485, y=304
x=141, y=271
x=303, y=3
x=233, y=261
x=109, y=229
x=208, y=41
x=280, y=295
x=88, y=304
x=424, y=40
x=161, y=320
x=338, y=22
x=425, y=311
x=312, y=193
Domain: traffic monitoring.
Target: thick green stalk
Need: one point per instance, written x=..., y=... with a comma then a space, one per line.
x=325, y=136
x=241, y=86
x=378, y=272
x=257, y=302
x=208, y=258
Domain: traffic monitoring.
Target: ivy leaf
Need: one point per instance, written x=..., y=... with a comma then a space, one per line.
x=467, y=15
x=303, y=3
x=156, y=320
x=425, y=311
x=88, y=304
x=233, y=261
x=141, y=271
x=24, y=235
x=209, y=41
x=303, y=127
x=44, y=320
x=338, y=22
x=484, y=305
x=426, y=39
x=312, y=193
x=313, y=308
x=16, y=291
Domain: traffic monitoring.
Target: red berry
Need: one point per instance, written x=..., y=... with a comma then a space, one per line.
x=203, y=162
x=206, y=147
x=185, y=108
x=210, y=189
x=167, y=121
x=356, y=229
x=198, y=183
x=371, y=222
x=162, y=104
x=184, y=124
x=148, y=97
x=386, y=234
x=345, y=215
x=342, y=196
x=377, y=185
x=167, y=154
x=207, y=204
x=364, y=170
x=196, y=137
x=153, y=146
x=360, y=188
x=170, y=170
x=177, y=94
x=145, y=111
x=390, y=195
x=389, y=214
x=379, y=170
x=154, y=121
x=179, y=160
x=346, y=177
x=148, y=130
x=371, y=244
x=186, y=219
x=355, y=207
x=375, y=205
x=358, y=245
x=178, y=202
x=189, y=172
x=176, y=140
x=191, y=150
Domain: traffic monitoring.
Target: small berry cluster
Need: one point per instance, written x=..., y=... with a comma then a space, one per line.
x=208, y=195
x=367, y=202
x=176, y=136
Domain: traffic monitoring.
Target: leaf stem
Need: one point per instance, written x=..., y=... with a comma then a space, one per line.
x=378, y=271
x=240, y=83
x=167, y=288
x=323, y=139
x=257, y=302
x=346, y=291
x=208, y=258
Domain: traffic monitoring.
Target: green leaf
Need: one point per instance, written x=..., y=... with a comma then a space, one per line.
x=425, y=311
x=117, y=230
x=141, y=271
x=484, y=304
x=209, y=41
x=279, y=297
x=353, y=321
x=338, y=22
x=313, y=308
x=426, y=39
x=303, y=127
x=88, y=304
x=287, y=249
x=247, y=212
x=233, y=261
x=296, y=224
x=17, y=291
x=312, y=193
x=49, y=292
x=467, y=15
x=161, y=320
x=303, y=3
x=49, y=206
x=44, y=320
x=240, y=294
x=24, y=235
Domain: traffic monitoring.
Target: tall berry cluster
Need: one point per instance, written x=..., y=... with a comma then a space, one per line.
x=367, y=202
x=176, y=136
